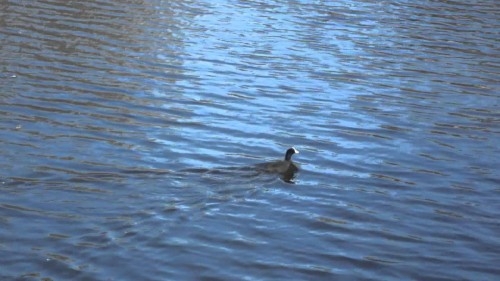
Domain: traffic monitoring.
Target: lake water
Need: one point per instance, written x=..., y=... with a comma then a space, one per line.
x=130, y=131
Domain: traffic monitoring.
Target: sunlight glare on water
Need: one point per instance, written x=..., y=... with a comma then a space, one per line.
x=132, y=134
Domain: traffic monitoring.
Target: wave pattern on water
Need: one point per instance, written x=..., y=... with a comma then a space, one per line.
x=130, y=133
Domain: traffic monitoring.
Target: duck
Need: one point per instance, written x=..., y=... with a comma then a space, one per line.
x=284, y=167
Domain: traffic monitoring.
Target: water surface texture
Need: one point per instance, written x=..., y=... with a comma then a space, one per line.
x=130, y=131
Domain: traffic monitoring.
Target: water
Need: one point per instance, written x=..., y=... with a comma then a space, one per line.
x=130, y=133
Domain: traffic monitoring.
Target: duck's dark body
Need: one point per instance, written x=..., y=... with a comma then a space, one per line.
x=284, y=167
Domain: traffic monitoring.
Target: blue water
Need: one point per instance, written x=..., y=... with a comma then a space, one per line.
x=130, y=135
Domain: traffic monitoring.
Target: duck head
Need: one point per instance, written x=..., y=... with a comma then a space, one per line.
x=291, y=151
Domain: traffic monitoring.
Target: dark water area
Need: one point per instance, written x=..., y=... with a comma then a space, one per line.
x=131, y=131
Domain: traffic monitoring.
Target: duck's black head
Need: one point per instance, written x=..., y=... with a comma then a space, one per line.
x=291, y=151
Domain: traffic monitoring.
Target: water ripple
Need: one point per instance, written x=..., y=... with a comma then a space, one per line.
x=131, y=133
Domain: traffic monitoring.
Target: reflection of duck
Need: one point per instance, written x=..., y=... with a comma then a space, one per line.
x=284, y=167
